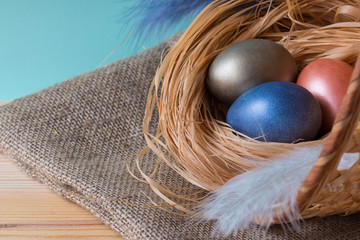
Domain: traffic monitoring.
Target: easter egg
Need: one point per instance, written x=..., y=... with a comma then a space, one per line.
x=276, y=112
x=247, y=64
x=327, y=80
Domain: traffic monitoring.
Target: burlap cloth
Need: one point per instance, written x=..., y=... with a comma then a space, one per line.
x=76, y=137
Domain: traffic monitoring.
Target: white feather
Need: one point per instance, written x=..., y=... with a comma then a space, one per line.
x=348, y=160
x=255, y=193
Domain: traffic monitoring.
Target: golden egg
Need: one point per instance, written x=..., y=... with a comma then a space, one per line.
x=247, y=64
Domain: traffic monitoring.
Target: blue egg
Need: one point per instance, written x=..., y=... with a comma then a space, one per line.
x=276, y=112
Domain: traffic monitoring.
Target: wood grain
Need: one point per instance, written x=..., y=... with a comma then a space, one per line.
x=29, y=210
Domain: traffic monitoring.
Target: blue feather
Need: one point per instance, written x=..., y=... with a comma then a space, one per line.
x=159, y=18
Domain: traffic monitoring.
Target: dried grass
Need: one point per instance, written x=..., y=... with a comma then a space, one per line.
x=192, y=137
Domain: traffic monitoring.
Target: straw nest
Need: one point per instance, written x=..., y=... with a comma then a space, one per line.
x=192, y=137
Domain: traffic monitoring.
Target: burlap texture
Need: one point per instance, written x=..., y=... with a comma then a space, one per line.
x=77, y=135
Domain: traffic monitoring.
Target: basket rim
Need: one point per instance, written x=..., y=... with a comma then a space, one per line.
x=344, y=125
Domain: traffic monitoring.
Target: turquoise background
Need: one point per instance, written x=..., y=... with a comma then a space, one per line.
x=43, y=42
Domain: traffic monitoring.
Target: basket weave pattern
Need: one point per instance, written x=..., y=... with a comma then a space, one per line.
x=326, y=190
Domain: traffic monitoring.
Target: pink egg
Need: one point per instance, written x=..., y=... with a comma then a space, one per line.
x=327, y=80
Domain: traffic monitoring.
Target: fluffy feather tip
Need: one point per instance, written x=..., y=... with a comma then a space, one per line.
x=261, y=194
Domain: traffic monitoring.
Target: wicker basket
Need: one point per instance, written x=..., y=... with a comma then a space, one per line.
x=204, y=147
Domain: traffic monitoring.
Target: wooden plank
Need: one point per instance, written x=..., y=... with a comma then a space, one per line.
x=3, y=102
x=29, y=211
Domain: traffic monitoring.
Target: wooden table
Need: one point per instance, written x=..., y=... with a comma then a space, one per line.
x=30, y=210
